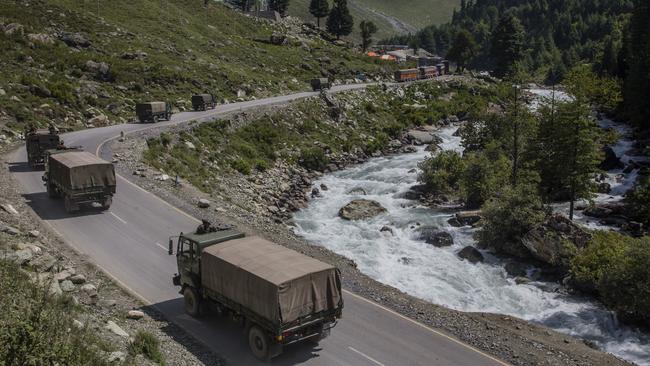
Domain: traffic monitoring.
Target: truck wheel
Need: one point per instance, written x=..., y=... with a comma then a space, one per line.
x=258, y=342
x=107, y=203
x=155, y=119
x=70, y=206
x=192, y=302
x=51, y=191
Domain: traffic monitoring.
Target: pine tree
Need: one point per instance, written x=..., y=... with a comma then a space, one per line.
x=367, y=28
x=637, y=83
x=281, y=6
x=319, y=9
x=463, y=50
x=507, y=45
x=340, y=22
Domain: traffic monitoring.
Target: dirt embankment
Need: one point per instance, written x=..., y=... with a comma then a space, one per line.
x=243, y=201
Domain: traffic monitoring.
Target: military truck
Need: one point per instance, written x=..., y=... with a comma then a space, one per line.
x=80, y=178
x=280, y=296
x=320, y=84
x=37, y=142
x=201, y=102
x=153, y=111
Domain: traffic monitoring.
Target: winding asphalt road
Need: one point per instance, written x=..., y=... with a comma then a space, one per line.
x=129, y=243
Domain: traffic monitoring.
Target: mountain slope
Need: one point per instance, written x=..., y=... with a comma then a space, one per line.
x=391, y=16
x=68, y=62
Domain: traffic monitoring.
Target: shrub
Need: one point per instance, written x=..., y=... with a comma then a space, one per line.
x=165, y=139
x=147, y=344
x=38, y=329
x=507, y=217
x=485, y=173
x=242, y=166
x=441, y=173
x=638, y=201
x=313, y=158
x=617, y=267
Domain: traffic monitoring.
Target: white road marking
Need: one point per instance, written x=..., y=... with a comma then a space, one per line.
x=161, y=246
x=365, y=356
x=119, y=218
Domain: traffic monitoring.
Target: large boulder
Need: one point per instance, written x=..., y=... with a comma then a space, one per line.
x=418, y=137
x=75, y=40
x=465, y=218
x=361, y=210
x=435, y=237
x=471, y=254
x=611, y=161
x=556, y=241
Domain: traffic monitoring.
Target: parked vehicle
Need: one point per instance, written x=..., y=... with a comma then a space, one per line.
x=79, y=177
x=279, y=295
x=428, y=72
x=37, y=142
x=202, y=102
x=153, y=111
x=320, y=84
x=407, y=75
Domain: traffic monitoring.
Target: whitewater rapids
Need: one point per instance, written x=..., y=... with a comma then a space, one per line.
x=438, y=275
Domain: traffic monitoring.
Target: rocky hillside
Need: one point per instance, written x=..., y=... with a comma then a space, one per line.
x=80, y=65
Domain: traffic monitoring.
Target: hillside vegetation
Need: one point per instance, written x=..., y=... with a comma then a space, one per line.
x=555, y=34
x=414, y=14
x=69, y=62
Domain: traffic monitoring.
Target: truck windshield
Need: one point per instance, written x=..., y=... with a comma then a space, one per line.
x=185, y=248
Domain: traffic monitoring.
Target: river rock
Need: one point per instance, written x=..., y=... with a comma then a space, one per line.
x=358, y=191
x=556, y=241
x=386, y=229
x=415, y=193
x=435, y=237
x=604, y=188
x=361, y=209
x=323, y=187
x=611, y=161
x=597, y=212
x=516, y=269
x=465, y=218
x=471, y=254
x=418, y=137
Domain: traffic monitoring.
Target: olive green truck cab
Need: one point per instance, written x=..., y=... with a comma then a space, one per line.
x=37, y=142
x=279, y=295
x=79, y=177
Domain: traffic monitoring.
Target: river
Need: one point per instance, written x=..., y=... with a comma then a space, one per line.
x=438, y=275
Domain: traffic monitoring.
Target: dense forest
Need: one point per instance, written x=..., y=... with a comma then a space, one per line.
x=554, y=35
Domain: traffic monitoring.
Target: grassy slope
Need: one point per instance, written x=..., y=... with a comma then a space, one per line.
x=418, y=13
x=189, y=49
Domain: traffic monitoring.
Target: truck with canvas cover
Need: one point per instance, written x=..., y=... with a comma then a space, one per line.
x=279, y=295
x=202, y=102
x=79, y=177
x=37, y=142
x=320, y=84
x=153, y=111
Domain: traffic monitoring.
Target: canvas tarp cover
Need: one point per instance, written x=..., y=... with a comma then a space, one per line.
x=81, y=169
x=277, y=283
x=153, y=107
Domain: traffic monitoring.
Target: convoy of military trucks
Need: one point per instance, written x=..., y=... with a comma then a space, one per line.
x=280, y=296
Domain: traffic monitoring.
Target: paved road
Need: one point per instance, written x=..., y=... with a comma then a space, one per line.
x=129, y=241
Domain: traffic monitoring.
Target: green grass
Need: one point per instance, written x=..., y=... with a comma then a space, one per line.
x=189, y=49
x=417, y=13
x=38, y=329
x=148, y=345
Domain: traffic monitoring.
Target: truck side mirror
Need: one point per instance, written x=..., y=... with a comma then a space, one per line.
x=171, y=247
x=44, y=178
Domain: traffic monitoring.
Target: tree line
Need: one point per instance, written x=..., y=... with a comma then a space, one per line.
x=547, y=37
